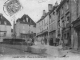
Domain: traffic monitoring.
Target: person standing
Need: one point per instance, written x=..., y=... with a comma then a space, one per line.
x=42, y=41
x=33, y=40
x=57, y=41
x=45, y=40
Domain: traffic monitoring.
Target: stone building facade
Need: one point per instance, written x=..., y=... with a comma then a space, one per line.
x=64, y=22
x=47, y=25
x=42, y=26
x=75, y=20
x=68, y=22
x=25, y=27
x=53, y=22
x=5, y=28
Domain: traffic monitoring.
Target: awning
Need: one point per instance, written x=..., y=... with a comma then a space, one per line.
x=66, y=30
x=42, y=33
x=76, y=23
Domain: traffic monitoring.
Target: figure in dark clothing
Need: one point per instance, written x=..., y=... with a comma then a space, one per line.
x=32, y=40
x=51, y=42
x=45, y=40
x=57, y=40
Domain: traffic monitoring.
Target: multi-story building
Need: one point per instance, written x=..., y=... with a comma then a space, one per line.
x=5, y=28
x=25, y=27
x=47, y=25
x=64, y=21
x=53, y=21
x=68, y=22
x=42, y=26
x=75, y=20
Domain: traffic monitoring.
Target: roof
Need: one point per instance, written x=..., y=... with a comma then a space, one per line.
x=60, y=5
x=54, y=7
x=23, y=20
x=48, y=13
x=43, y=17
x=3, y=20
x=76, y=21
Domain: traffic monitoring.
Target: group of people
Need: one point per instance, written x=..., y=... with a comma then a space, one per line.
x=54, y=42
x=44, y=41
x=30, y=41
x=51, y=41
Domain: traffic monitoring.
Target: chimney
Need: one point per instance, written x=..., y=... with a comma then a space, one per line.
x=50, y=7
x=56, y=4
x=44, y=12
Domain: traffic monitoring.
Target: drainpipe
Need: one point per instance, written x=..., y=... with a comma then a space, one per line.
x=48, y=33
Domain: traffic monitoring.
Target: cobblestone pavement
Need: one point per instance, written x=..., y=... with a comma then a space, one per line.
x=16, y=51
x=19, y=51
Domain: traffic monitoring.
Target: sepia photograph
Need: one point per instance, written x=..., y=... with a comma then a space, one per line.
x=39, y=30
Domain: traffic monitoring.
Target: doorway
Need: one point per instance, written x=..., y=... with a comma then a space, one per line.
x=79, y=39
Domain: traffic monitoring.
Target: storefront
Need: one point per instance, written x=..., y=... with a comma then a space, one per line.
x=66, y=36
x=52, y=37
x=76, y=26
x=42, y=36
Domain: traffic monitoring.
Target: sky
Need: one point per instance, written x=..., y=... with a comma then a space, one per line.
x=33, y=8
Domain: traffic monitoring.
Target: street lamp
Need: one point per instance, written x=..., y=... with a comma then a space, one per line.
x=48, y=32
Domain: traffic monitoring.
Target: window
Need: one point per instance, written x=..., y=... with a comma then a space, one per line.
x=59, y=15
x=58, y=31
x=5, y=22
x=53, y=12
x=63, y=23
x=27, y=19
x=67, y=5
x=23, y=20
x=5, y=34
x=62, y=10
x=49, y=21
x=68, y=19
x=59, y=23
x=50, y=16
x=2, y=34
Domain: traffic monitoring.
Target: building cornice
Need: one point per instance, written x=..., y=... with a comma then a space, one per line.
x=48, y=13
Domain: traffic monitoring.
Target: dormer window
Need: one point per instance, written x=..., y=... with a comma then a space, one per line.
x=62, y=10
x=5, y=22
x=23, y=20
x=67, y=5
x=27, y=19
